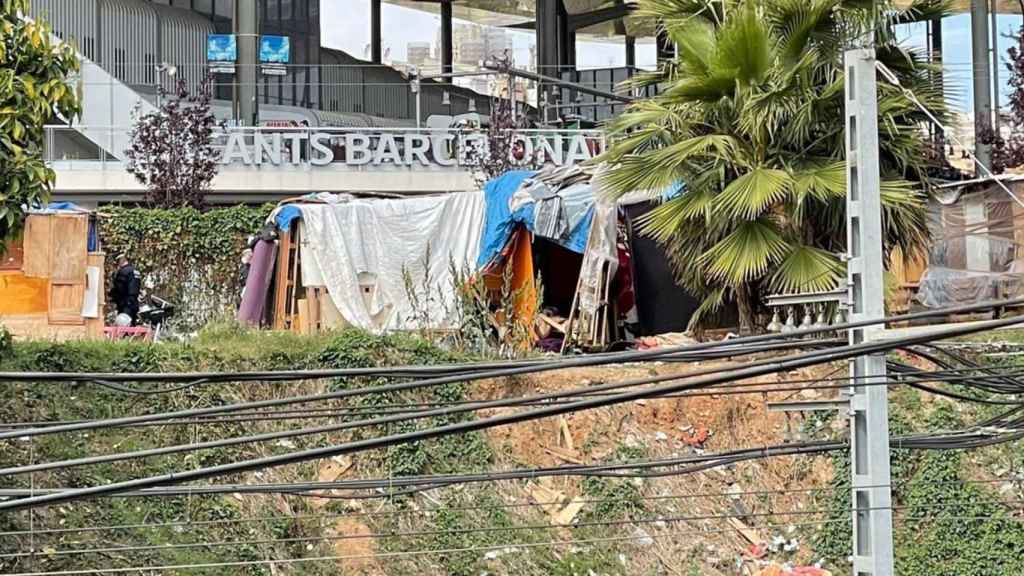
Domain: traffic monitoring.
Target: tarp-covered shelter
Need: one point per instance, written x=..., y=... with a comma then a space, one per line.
x=393, y=263
x=51, y=279
x=977, y=230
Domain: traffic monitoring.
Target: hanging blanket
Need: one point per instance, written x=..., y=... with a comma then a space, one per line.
x=362, y=248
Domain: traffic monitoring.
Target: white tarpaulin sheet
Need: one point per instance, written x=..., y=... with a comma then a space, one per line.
x=361, y=248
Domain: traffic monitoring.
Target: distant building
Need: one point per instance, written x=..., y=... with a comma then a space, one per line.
x=418, y=53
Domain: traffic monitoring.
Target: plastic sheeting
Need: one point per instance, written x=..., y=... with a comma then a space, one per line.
x=363, y=247
x=976, y=249
x=563, y=215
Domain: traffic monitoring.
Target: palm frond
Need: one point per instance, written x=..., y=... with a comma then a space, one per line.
x=807, y=269
x=749, y=195
x=710, y=305
x=747, y=253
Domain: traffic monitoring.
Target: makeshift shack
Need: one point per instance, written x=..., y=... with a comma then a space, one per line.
x=977, y=234
x=376, y=263
x=393, y=263
x=51, y=280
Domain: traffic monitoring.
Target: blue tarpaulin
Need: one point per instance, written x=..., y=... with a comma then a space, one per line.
x=286, y=215
x=500, y=222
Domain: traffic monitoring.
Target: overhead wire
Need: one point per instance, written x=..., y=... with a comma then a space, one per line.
x=753, y=369
x=337, y=395
x=516, y=370
x=454, y=408
x=533, y=503
x=388, y=555
x=902, y=370
x=658, y=519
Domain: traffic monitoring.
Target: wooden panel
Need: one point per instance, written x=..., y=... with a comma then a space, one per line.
x=36, y=246
x=282, y=286
x=20, y=294
x=66, y=303
x=69, y=248
x=94, y=326
x=38, y=327
x=301, y=323
x=13, y=256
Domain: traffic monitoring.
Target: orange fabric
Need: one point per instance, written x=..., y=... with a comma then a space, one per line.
x=23, y=295
x=519, y=255
x=523, y=278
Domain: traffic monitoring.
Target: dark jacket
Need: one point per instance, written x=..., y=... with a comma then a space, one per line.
x=124, y=290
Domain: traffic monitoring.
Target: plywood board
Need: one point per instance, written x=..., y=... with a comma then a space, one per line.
x=20, y=294
x=66, y=303
x=301, y=323
x=330, y=317
x=69, y=248
x=36, y=246
x=94, y=326
x=38, y=327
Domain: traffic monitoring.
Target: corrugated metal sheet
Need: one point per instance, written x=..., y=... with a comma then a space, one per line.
x=72, y=20
x=129, y=41
x=183, y=42
x=341, y=120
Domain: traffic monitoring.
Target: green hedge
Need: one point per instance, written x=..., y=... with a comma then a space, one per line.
x=186, y=256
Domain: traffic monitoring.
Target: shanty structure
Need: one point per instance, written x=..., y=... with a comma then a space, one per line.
x=52, y=278
x=977, y=243
x=396, y=263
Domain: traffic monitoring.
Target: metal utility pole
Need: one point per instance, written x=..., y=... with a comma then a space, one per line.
x=547, y=45
x=375, y=33
x=982, y=78
x=246, y=23
x=869, y=401
x=995, y=66
x=447, y=52
x=935, y=50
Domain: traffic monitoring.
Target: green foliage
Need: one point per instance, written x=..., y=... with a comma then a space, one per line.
x=6, y=341
x=480, y=535
x=751, y=120
x=36, y=73
x=944, y=524
x=191, y=258
x=219, y=347
x=953, y=528
x=614, y=500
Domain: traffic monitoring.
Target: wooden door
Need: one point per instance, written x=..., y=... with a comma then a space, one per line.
x=36, y=247
x=68, y=261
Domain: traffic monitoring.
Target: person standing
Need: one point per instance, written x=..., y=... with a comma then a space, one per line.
x=124, y=290
x=243, y=271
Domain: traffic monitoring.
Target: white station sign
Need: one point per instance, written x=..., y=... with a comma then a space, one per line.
x=400, y=149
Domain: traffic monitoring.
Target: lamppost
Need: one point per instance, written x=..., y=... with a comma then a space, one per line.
x=171, y=70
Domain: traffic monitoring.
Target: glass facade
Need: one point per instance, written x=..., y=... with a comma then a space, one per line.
x=297, y=19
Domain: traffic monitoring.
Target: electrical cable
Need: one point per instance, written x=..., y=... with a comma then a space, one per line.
x=591, y=360
x=660, y=519
x=400, y=417
x=428, y=511
x=387, y=555
x=576, y=362
x=416, y=533
x=754, y=369
x=348, y=393
x=390, y=408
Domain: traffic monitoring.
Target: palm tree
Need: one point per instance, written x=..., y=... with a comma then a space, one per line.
x=750, y=118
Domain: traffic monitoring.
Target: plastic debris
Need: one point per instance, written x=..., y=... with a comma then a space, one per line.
x=642, y=537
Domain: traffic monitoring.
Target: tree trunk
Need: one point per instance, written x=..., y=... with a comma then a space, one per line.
x=745, y=307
